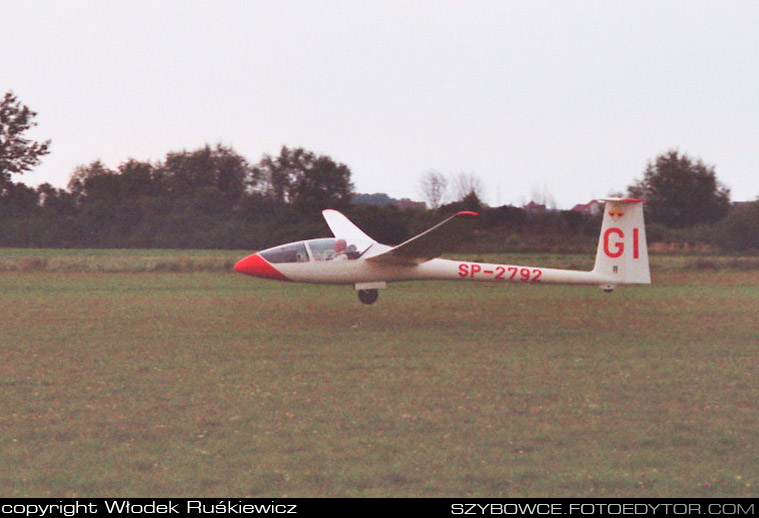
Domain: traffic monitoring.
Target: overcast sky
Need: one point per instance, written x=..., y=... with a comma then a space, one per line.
x=565, y=98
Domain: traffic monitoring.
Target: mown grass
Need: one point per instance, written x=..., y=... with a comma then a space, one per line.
x=116, y=261
x=211, y=384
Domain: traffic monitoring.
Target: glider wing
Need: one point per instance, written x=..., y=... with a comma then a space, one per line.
x=430, y=243
x=343, y=227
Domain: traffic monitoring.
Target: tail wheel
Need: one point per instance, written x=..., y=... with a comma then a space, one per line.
x=368, y=296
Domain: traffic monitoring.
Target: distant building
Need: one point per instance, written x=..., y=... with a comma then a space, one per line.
x=378, y=198
x=381, y=199
x=593, y=208
x=535, y=208
x=405, y=203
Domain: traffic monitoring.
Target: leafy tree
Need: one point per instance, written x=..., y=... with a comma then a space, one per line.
x=56, y=202
x=386, y=223
x=739, y=231
x=94, y=182
x=304, y=180
x=17, y=154
x=469, y=202
x=141, y=179
x=220, y=167
x=681, y=192
x=18, y=200
x=506, y=216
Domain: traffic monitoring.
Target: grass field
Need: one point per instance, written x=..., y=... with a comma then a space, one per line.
x=123, y=375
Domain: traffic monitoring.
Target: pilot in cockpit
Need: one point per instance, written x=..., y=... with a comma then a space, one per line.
x=344, y=251
x=341, y=252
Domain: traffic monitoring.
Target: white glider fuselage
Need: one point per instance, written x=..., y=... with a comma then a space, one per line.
x=352, y=257
x=362, y=271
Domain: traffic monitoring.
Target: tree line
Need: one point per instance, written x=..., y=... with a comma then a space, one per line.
x=212, y=197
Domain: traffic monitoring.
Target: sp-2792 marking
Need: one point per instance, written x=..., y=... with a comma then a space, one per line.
x=500, y=273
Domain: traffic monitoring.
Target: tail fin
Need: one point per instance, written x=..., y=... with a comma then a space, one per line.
x=622, y=250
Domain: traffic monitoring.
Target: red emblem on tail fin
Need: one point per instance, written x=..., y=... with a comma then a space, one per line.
x=616, y=214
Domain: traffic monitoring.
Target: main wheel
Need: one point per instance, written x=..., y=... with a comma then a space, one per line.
x=368, y=296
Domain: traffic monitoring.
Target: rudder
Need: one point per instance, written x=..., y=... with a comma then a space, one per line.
x=622, y=250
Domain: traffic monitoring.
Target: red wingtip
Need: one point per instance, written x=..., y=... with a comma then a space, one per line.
x=468, y=214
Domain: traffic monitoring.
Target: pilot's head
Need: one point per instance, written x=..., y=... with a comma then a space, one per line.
x=340, y=245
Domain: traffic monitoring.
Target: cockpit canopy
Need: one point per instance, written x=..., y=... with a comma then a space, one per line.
x=325, y=249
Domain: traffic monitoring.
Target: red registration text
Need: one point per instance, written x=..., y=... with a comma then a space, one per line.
x=499, y=273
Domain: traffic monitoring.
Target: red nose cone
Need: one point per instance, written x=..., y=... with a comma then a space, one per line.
x=257, y=266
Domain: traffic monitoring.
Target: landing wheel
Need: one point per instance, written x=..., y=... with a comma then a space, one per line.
x=368, y=296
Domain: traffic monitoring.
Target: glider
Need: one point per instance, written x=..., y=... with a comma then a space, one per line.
x=352, y=257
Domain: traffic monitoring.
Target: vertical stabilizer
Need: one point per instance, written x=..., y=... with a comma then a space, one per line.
x=622, y=249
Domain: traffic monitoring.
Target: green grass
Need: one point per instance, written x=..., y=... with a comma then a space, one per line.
x=116, y=261
x=214, y=384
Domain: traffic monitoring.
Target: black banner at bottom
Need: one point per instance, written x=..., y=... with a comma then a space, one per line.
x=464, y=507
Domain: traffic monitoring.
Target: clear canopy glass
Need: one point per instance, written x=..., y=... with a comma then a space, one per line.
x=325, y=249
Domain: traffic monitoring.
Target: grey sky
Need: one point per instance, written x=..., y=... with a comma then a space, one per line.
x=565, y=97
